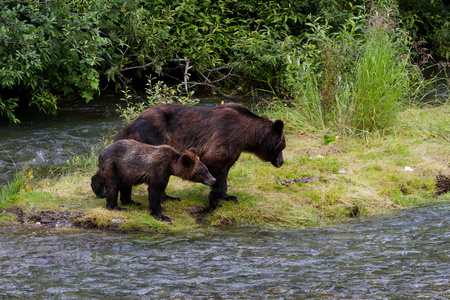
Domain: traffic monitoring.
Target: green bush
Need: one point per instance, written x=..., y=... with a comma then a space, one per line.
x=355, y=80
x=57, y=51
x=156, y=93
x=428, y=22
x=49, y=52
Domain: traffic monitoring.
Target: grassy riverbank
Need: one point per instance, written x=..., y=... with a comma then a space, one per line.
x=352, y=177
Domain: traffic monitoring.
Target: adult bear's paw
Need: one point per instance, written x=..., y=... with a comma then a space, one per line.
x=163, y=218
x=230, y=198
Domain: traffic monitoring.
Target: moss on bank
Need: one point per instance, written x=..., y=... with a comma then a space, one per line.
x=354, y=177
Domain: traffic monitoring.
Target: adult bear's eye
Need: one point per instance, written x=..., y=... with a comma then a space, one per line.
x=280, y=146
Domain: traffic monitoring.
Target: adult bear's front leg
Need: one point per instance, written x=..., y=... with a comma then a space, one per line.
x=111, y=197
x=219, y=190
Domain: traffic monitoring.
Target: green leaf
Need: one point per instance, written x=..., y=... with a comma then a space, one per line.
x=330, y=139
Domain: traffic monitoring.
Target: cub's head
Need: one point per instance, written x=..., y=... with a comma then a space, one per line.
x=189, y=167
x=98, y=186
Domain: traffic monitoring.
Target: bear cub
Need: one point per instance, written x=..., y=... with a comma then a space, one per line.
x=127, y=162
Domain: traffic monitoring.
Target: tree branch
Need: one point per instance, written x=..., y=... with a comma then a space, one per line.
x=137, y=67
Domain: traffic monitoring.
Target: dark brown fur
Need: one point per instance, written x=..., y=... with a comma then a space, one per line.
x=127, y=162
x=220, y=134
x=442, y=184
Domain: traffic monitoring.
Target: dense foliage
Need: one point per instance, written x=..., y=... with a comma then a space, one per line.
x=428, y=21
x=59, y=50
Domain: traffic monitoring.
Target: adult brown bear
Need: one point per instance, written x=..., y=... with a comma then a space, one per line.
x=220, y=134
x=126, y=163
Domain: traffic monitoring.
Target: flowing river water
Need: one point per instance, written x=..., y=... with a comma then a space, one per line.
x=405, y=255
x=45, y=140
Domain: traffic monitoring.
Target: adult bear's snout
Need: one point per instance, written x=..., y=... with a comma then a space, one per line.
x=279, y=161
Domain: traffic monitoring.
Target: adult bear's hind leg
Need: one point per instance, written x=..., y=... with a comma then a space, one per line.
x=125, y=196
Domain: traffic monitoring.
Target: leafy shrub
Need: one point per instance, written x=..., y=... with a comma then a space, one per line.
x=428, y=21
x=158, y=93
x=48, y=52
x=56, y=51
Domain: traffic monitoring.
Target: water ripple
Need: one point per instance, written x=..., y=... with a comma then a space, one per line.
x=402, y=256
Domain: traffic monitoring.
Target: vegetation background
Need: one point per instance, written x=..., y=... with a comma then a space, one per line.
x=328, y=58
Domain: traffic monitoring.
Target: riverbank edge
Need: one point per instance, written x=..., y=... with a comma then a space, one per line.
x=321, y=183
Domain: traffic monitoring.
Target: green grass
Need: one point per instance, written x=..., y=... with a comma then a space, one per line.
x=374, y=182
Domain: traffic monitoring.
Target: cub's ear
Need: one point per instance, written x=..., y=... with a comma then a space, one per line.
x=193, y=150
x=278, y=126
x=186, y=160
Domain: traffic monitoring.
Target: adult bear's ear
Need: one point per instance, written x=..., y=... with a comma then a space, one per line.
x=265, y=117
x=186, y=160
x=278, y=126
x=193, y=151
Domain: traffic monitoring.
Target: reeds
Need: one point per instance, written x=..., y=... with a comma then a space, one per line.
x=382, y=81
x=355, y=81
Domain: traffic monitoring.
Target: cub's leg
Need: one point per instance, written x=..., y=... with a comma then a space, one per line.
x=155, y=197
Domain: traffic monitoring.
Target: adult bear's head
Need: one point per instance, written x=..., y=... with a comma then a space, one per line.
x=277, y=157
x=272, y=142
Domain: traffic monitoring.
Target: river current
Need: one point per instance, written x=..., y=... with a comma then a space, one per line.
x=41, y=140
x=405, y=255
